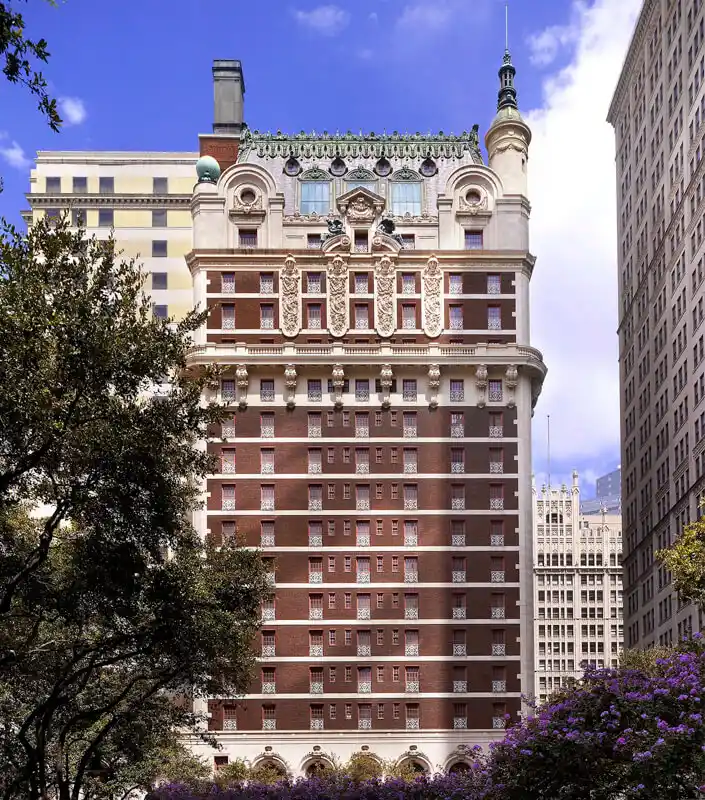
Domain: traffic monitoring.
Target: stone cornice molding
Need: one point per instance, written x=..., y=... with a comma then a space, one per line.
x=103, y=200
x=115, y=157
x=635, y=45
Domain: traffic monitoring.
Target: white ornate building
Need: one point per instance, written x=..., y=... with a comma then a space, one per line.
x=577, y=588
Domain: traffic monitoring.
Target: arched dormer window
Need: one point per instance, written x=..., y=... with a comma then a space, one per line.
x=360, y=177
x=406, y=191
x=315, y=192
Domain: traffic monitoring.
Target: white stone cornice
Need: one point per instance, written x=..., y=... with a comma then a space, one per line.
x=116, y=157
x=103, y=200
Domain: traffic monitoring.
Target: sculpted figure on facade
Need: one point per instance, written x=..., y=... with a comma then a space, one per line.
x=511, y=379
x=386, y=377
x=481, y=385
x=338, y=384
x=385, y=297
x=432, y=294
x=290, y=383
x=243, y=381
x=338, y=306
x=434, y=384
x=361, y=210
x=290, y=302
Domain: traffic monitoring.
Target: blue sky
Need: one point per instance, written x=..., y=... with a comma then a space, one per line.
x=136, y=75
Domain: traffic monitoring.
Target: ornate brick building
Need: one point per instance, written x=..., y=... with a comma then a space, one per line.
x=369, y=303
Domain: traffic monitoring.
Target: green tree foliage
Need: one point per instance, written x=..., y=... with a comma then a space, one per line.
x=20, y=55
x=111, y=607
x=685, y=559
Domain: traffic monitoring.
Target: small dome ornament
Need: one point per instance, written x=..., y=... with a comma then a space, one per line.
x=207, y=170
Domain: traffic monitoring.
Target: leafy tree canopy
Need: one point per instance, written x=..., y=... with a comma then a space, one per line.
x=114, y=614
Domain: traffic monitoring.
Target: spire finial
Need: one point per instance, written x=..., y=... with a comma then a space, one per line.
x=506, y=27
x=507, y=93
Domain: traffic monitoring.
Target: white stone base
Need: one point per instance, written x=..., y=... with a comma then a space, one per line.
x=295, y=751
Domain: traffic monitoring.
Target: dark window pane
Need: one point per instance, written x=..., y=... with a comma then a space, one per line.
x=106, y=185
x=159, y=280
x=161, y=312
x=159, y=218
x=80, y=184
x=159, y=248
x=160, y=185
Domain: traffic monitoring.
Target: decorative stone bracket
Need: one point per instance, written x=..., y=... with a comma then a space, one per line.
x=338, y=384
x=290, y=383
x=511, y=379
x=385, y=379
x=481, y=385
x=434, y=384
x=243, y=382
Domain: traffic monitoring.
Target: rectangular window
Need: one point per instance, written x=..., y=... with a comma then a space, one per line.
x=494, y=284
x=408, y=316
x=408, y=283
x=160, y=185
x=457, y=459
x=247, y=237
x=473, y=240
x=227, y=285
x=160, y=312
x=411, y=502
x=455, y=318
x=106, y=218
x=457, y=391
x=159, y=218
x=315, y=390
x=314, y=316
x=266, y=391
x=410, y=460
x=267, y=425
x=362, y=321
x=159, y=280
x=267, y=498
x=314, y=241
x=266, y=460
x=406, y=198
x=228, y=317
x=266, y=316
x=495, y=391
x=455, y=284
x=266, y=283
x=78, y=217
x=494, y=318
x=409, y=389
x=159, y=248
x=408, y=241
x=315, y=197
x=313, y=283
x=53, y=185
x=362, y=390
x=361, y=241
x=80, y=185
x=106, y=185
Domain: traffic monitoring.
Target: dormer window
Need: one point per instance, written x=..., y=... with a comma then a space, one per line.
x=406, y=193
x=315, y=195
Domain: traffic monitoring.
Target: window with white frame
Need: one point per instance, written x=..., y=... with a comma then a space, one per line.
x=409, y=424
x=409, y=389
x=362, y=319
x=410, y=460
x=315, y=390
x=315, y=429
x=267, y=533
x=408, y=316
x=266, y=283
x=361, y=283
x=455, y=284
x=314, y=460
x=411, y=496
x=227, y=391
x=457, y=497
x=362, y=390
x=227, y=460
x=362, y=498
x=362, y=460
x=494, y=284
x=266, y=460
x=267, y=498
x=313, y=282
x=315, y=197
x=495, y=391
x=267, y=425
x=457, y=390
x=266, y=316
x=228, y=498
x=266, y=390
x=315, y=497
x=314, y=316
x=494, y=318
x=406, y=197
x=228, y=317
x=408, y=283
x=457, y=459
x=455, y=318
x=228, y=283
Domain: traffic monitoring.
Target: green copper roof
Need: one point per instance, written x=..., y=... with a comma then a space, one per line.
x=350, y=145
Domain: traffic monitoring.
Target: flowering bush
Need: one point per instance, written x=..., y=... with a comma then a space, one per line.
x=622, y=734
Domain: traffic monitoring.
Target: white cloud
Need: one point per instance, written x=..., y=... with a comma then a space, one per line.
x=72, y=110
x=545, y=45
x=327, y=20
x=573, y=232
x=12, y=153
x=427, y=15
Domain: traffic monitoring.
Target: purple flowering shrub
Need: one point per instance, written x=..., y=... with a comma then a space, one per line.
x=622, y=734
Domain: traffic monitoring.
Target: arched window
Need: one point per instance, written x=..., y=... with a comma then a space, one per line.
x=406, y=193
x=315, y=192
x=360, y=177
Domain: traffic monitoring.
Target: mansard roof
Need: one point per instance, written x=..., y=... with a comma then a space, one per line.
x=350, y=145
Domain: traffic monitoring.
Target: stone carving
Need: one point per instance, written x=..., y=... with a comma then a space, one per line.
x=297, y=218
x=335, y=226
x=511, y=379
x=431, y=297
x=408, y=217
x=242, y=207
x=406, y=174
x=385, y=380
x=290, y=383
x=481, y=385
x=315, y=174
x=473, y=208
x=434, y=384
x=361, y=174
x=351, y=146
x=338, y=384
x=338, y=306
x=290, y=301
x=361, y=210
x=385, y=297
x=243, y=381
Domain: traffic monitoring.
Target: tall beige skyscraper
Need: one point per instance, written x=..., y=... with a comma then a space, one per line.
x=658, y=113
